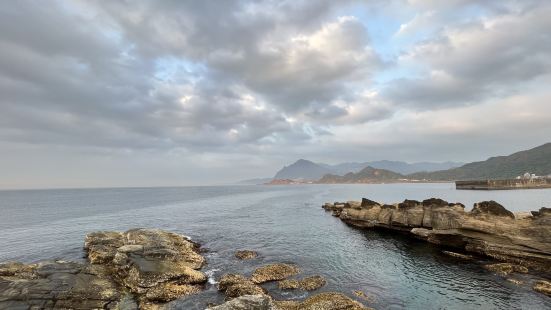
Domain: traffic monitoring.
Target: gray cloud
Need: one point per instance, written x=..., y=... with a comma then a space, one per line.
x=180, y=87
x=468, y=63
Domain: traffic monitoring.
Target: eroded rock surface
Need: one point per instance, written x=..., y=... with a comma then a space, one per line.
x=247, y=302
x=140, y=267
x=246, y=254
x=543, y=287
x=322, y=301
x=274, y=272
x=235, y=285
x=489, y=229
x=57, y=285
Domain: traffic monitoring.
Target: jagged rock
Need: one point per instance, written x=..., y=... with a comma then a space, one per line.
x=308, y=283
x=353, y=204
x=323, y=301
x=247, y=302
x=274, y=272
x=506, y=268
x=246, y=254
x=143, y=259
x=543, y=287
x=154, y=266
x=491, y=208
x=369, y=203
x=56, y=284
x=489, y=229
x=235, y=285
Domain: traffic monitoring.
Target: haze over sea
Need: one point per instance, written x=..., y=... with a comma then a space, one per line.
x=283, y=223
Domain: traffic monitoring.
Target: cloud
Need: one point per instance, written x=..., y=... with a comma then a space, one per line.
x=188, y=85
x=467, y=63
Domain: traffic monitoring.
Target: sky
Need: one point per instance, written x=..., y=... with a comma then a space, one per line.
x=175, y=93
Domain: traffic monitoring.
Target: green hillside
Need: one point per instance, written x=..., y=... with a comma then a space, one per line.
x=536, y=160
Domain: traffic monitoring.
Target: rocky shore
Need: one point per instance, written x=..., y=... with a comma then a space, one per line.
x=146, y=269
x=522, y=241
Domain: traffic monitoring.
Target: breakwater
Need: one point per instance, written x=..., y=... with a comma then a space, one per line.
x=504, y=184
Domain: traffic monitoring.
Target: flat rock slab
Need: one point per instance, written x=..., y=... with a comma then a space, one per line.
x=274, y=272
x=55, y=285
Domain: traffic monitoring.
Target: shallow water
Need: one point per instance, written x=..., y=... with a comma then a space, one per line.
x=285, y=224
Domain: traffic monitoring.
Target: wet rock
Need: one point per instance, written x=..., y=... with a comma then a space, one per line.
x=325, y=301
x=247, y=302
x=543, y=287
x=506, y=268
x=307, y=284
x=145, y=265
x=169, y=291
x=56, y=284
x=488, y=230
x=286, y=304
x=145, y=260
x=458, y=255
x=230, y=279
x=246, y=254
x=235, y=285
x=364, y=296
x=274, y=272
x=491, y=208
x=515, y=281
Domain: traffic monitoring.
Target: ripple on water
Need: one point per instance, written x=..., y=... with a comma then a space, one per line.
x=284, y=224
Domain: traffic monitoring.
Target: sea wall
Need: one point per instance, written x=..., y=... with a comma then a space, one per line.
x=489, y=229
x=504, y=184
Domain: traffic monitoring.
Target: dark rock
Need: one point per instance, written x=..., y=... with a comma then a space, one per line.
x=246, y=254
x=435, y=202
x=369, y=203
x=491, y=208
x=57, y=284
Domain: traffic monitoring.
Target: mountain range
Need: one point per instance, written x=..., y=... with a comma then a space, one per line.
x=308, y=170
x=536, y=161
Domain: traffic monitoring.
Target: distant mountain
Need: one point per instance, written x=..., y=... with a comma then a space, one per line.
x=366, y=175
x=305, y=169
x=302, y=169
x=536, y=160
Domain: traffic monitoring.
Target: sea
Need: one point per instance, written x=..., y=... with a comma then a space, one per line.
x=284, y=224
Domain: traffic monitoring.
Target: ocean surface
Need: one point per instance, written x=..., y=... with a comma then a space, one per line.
x=284, y=224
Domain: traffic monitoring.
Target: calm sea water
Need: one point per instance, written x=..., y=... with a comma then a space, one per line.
x=285, y=224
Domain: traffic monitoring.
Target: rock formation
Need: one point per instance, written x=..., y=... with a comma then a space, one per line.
x=274, y=272
x=236, y=285
x=246, y=254
x=322, y=301
x=141, y=267
x=247, y=302
x=489, y=229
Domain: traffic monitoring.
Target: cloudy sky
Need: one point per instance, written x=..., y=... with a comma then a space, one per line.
x=152, y=93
